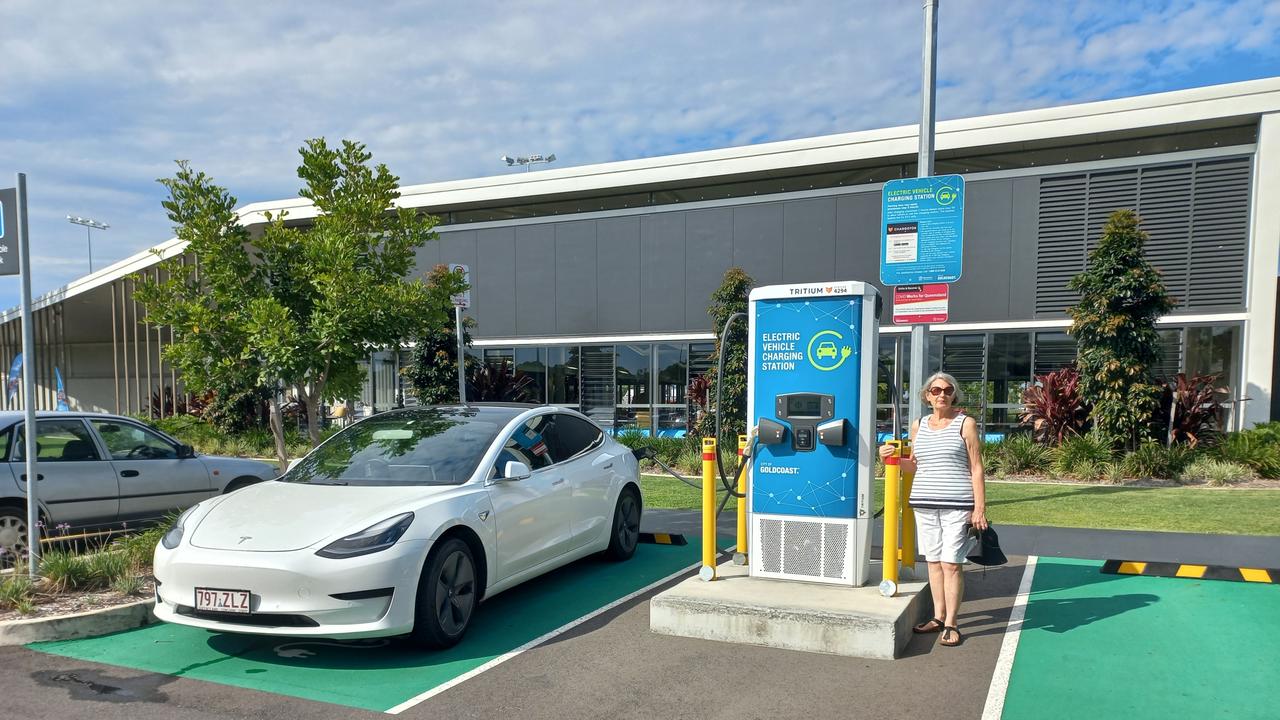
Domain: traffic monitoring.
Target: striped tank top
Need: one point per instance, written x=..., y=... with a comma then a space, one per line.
x=942, y=467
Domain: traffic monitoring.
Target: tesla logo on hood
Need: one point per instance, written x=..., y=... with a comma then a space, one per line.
x=245, y=537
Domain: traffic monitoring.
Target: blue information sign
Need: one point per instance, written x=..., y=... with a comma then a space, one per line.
x=922, y=230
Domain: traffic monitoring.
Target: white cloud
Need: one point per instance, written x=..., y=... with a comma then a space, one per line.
x=98, y=99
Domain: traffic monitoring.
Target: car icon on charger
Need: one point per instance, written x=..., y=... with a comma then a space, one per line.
x=827, y=349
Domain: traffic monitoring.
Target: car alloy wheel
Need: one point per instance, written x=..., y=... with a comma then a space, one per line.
x=447, y=595
x=13, y=538
x=626, y=525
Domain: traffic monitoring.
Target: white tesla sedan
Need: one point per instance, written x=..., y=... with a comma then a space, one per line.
x=401, y=524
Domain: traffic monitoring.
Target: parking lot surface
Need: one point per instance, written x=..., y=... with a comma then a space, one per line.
x=576, y=644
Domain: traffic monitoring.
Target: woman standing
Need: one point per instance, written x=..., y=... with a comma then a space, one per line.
x=947, y=495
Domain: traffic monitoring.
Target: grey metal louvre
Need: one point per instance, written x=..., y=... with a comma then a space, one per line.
x=1195, y=213
x=1220, y=233
x=598, y=378
x=1061, y=233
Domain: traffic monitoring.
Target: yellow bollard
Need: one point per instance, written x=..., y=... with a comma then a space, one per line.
x=892, y=511
x=740, y=557
x=908, y=518
x=708, y=571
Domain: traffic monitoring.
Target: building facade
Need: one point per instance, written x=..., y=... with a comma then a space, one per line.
x=595, y=280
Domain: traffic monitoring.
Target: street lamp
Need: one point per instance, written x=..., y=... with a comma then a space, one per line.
x=89, y=226
x=527, y=161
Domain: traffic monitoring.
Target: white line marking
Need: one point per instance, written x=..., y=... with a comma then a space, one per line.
x=535, y=642
x=1004, y=664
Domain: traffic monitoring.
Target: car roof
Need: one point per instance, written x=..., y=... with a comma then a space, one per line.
x=12, y=417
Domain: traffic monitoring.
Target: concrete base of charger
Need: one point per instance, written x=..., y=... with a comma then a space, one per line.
x=812, y=617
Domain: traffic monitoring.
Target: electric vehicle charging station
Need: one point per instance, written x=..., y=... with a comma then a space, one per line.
x=811, y=395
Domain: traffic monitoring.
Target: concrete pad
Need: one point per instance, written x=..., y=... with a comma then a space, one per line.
x=812, y=617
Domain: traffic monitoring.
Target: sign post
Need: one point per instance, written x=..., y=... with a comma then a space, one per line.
x=461, y=302
x=13, y=236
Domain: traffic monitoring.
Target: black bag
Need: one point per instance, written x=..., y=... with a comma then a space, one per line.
x=985, y=548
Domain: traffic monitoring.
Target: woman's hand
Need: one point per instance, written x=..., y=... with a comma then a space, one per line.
x=887, y=449
x=979, y=518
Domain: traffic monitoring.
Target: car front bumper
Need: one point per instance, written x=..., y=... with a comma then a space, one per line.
x=292, y=593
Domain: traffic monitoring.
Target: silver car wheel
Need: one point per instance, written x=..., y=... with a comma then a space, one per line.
x=13, y=537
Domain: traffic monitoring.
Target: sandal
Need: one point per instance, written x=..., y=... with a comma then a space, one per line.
x=932, y=625
x=947, y=631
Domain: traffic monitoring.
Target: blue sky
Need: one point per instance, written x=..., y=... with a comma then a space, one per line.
x=98, y=99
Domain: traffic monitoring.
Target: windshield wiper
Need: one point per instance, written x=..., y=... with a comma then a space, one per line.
x=335, y=482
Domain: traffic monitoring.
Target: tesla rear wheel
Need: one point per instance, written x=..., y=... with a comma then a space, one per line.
x=626, y=525
x=446, y=595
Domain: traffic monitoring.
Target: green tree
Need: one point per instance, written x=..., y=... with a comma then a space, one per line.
x=302, y=306
x=731, y=297
x=1114, y=323
x=433, y=372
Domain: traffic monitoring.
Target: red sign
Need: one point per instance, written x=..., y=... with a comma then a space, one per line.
x=915, y=304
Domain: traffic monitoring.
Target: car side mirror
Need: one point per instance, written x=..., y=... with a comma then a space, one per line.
x=186, y=451
x=514, y=470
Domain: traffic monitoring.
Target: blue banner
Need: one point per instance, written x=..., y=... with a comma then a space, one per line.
x=922, y=230
x=62, y=392
x=15, y=377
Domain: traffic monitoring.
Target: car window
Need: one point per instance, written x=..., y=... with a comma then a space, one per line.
x=423, y=446
x=573, y=435
x=126, y=441
x=530, y=444
x=58, y=441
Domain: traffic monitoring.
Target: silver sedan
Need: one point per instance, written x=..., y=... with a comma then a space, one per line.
x=96, y=470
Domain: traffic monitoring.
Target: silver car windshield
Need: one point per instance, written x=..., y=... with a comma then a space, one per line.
x=423, y=446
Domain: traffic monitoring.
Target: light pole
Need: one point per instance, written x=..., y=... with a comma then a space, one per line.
x=89, y=226
x=527, y=161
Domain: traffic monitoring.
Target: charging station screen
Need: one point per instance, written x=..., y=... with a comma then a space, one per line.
x=807, y=347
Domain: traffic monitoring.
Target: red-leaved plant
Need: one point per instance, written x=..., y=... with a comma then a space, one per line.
x=1052, y=406
x=1196, y=403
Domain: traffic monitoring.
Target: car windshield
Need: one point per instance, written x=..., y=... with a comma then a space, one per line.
x=424, y=446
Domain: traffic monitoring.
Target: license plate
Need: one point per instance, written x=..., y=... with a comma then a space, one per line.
x=215, y=600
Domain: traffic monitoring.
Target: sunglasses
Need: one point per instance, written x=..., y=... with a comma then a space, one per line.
x=936, y=391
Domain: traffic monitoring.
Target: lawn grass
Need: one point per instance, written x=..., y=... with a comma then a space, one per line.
x=1197, y=510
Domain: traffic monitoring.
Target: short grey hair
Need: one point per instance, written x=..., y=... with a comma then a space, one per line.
x=957, y=397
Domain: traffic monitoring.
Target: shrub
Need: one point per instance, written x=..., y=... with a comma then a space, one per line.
x=1020, y=454
x=139, y=548
x=105, y=567
x=731, y=297
x=1195, y=407
x=1251, y=450
x=64, y=570
x=1216, y=472
x=993, y=458
x=1267, y=431
x=129, y=584
x=14, y=590
x=1153, y=460
x=1053, y=406
x=1083, y=456
x=1113, y=473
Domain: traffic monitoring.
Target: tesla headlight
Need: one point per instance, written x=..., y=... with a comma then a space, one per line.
x=370, y=540
x=174, y=536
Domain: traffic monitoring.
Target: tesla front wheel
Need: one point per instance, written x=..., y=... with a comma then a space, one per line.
x=626, y=525
x=446, y=595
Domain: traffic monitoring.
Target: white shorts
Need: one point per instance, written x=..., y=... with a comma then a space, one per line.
x=942, y=536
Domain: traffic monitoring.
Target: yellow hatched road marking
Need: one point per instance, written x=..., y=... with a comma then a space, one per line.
x=1255, y=575
x=1132, y=568
x=1191, y=571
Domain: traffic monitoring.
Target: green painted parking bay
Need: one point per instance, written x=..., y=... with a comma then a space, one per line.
x=1094, y=645
x=380, y=674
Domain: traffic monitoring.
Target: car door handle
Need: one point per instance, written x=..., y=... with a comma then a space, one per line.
x=129, y=473
x=558, y=482
x=607, y=466
x=39, y=477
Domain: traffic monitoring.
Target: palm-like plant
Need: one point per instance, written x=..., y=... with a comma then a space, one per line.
x=1053, y=406
x=1193, y=408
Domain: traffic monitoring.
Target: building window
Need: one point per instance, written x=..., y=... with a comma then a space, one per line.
x=562, y=375
x=533, y=363
x=1215, y=350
